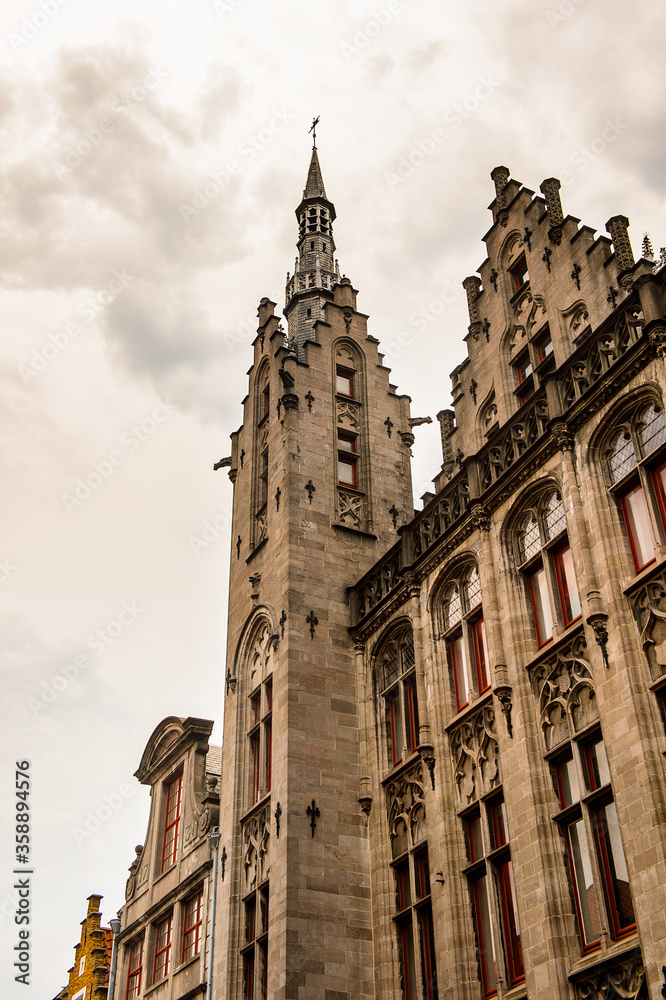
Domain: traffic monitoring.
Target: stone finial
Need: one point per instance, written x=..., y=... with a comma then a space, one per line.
x=550, y=189
x=617, y=226
x=500, y=176
x=446, y=426
x=472, y=286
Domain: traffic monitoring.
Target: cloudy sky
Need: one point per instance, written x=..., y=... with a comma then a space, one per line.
x=153, y=154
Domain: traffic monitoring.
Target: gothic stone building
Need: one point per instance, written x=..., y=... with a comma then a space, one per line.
x=443, y=769
x=89, y=976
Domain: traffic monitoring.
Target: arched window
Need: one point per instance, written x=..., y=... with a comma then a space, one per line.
x=544, y=557
x=635, y=458
x=463, y=628
x=398, y=681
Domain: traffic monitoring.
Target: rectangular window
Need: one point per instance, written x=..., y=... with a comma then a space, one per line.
x=566, y=582
x=412, y=714
x=171, y=822
x=587, y=910
x=344, y=382
x=427, y=941
x=422, y=874
x=394, y=725
x=659, y=479
x=639, y=527
x=265, y=402
x=544, y=346
x=134, y=969
x=614, y=869
x=481, y=655
x=248, y=976
x=568, y=787
x=403, y=893
x=524, y=368
x=346, y=471
x=268, y=741
x=484, y=936
x=192, y=918
x=256, y=765
x=408, y=966
x=519, y=275
x=474, y=837
x=460, y=674
x=543, y=616
x=162, y=948
x=250, y=919
x=497, y=823
x=595, y=765
x=263, y=478
x=514, y=952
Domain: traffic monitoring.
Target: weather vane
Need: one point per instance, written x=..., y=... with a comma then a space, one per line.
x=313, y=129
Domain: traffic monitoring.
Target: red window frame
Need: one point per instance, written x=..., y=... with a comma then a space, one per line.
x=427, y=951
x=347, y=457
x=345, y=373
x=474, y=836
x=134, y=970
x=192, y=920
x=403, y=892
x=422, y=874
x=611, y=891
x=392, y=700
x=482, y=923
x=255, y=751
x=162, y=948
x=566, y=584
x=481, y=654
x=408, y=961
x=172, y=821
x=590, y=943
x=268, y=739
x=412, y=712
x=499, y=835
x=542, y=344
x=659, y=480
x=524, y=368
x=630, y=511
x=543, y=592
x=519, y=273
x=460, y=674
x=248, y=962
x=514, y=951
x=263, y=478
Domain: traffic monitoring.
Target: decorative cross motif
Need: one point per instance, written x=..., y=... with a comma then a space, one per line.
x=528, y=234
x=310, y=398
x=278, y=494
x=223, y=859
x=313, y=129
x=395, y=513
x=486, y=329
x=278, y=813
x=547, y=254
x=472, y=389
x=493, y=278
x=612, y=296
x=282, y=621
x=575, y=275
x=239, y=542
x=311, y=488
x=242, y=457
x=313, y=813
x=279, y=407
x=388, y=424
x=312, y=622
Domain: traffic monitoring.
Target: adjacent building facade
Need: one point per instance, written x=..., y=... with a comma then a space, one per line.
x=444, y=731
x=89, y=976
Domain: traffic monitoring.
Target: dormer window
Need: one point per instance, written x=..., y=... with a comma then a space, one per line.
x=519, y=274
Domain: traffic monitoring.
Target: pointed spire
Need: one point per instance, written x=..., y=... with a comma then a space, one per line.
x=314, y=186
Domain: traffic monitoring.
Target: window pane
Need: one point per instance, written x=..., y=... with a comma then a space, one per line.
x=481, y=655
x=653, y=430
x=452, y=608
x=394, y=726
x=587, y=907
x=403, y=894
x=346, y=443
x=498, y=829
x=391, y=664
x=192, y=927
x=427, y=945
x=567, y=782
x=256, y=765
x=459, y=663
x=407, y=966
x=659, y=476
x=407, y=652
x=597, y=773
x=556, y=519
x=248, y=986
x=614, y=868
x=622, y=457
x=422, y=874
x=472, y=589
x=484, y=936
x=543, y=616
x=474, y=833
x=346, y=472
x=412, y=716
x=566, y=580
x=510, y=924
x=268, y=738
x=528, y=539
x=639, y=527
x=344, y=383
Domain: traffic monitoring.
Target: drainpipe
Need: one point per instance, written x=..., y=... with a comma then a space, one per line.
x=115, y=927
x=214, y=836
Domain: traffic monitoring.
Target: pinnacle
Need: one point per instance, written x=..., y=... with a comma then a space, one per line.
x=314, y=187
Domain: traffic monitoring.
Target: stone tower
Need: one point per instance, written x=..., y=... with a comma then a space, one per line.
x=321, y=474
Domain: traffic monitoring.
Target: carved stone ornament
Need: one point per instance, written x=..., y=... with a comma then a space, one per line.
x=405, y=803
x=565, y=694
x=578, y=319
x=624, y=979
x=657, y=336
x=475, y=756
x=256, y=844
x=504, y=695
x=350, y=509
x=131, y=884
x=347, y=413
x=529, y=314
x=649, y=607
